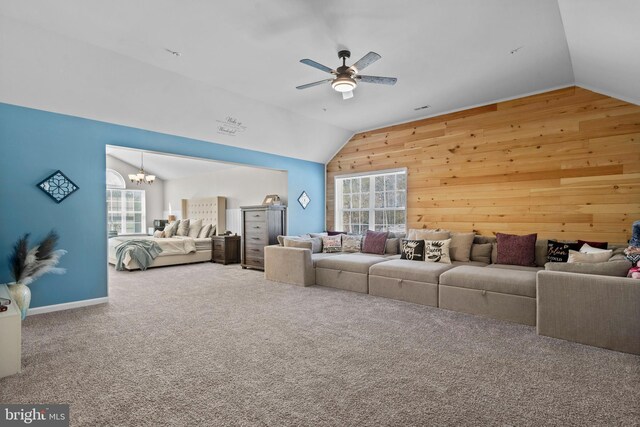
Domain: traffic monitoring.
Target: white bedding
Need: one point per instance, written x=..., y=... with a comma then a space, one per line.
x=170, y=246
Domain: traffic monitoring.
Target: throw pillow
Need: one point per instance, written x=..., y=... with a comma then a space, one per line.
x=335, y=233
x=212, y=232
x=158, y=234
x=587, y=249
x=481, y=252
x=437, y=251
x=332, y=244
x=298, y=243
x=318, y=234
x=437, y=234
x=204, y=231
x=460, y=249
x=375, y=242
x=351, y=243
x=171, y=228
x=412, y=250
x=559, y=251
x=194, y=228
x=516, y=250
x=575, y=256
x=391, y=246
x=599, y=245
x=183, y=228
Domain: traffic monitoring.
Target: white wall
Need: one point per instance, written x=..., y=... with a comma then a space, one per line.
x=154, y=193
x=242, y=186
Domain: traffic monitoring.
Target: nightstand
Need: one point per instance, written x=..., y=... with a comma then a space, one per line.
x=225, y=249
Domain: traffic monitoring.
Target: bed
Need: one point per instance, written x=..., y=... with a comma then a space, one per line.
x=181, y=249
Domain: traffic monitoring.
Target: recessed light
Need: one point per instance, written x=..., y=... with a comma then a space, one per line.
x=424, y=107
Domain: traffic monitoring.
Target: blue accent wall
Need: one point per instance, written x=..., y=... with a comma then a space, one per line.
x=37, y=143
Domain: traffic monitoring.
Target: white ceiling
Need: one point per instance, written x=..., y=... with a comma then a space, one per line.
x=168, y=166
x=107, y=60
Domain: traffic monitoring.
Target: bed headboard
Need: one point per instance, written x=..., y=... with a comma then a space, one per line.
x=211, y=210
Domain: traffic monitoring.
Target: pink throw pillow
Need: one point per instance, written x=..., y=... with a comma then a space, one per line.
x=375, y=242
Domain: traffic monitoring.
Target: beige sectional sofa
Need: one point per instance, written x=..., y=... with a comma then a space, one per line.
x=587, y=308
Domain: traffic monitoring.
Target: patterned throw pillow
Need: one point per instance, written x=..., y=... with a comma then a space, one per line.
x=351, y=243
x=412, y=250
x=171, y=228
x=558, y=251
x=437, y=251
x=375, y=242
x=332, y=244
x=158, y=234
x=204, y=231
x=516, y=250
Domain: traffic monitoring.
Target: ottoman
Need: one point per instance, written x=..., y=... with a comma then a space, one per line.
x=406, y=280
x=348, y=271
x=501, y=292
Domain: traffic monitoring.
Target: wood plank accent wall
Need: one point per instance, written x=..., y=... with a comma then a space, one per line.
x=564, y=164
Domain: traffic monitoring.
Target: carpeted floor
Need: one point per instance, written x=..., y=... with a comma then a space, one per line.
x=214, y=345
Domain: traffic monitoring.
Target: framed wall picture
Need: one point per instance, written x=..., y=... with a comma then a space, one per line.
x=304, y=200
x=271, y=199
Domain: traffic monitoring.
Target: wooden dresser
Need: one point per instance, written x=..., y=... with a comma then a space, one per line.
x=261, y=226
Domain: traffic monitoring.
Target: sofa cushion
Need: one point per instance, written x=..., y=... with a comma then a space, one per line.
x=591, y=257
x=542, y=249
x=317, y=257
x=460, y=249
x=515, y=267
x=609, y=268
x=375, y=242
x=505, y=281
x=355, y=263
x=481, y=240
x=481, y=252
x=516, y=250
x=298, y=243
x=392, y=246
x=599, y=245
x=405, y=269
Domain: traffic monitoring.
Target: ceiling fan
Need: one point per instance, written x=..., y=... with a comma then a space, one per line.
x=346, y=78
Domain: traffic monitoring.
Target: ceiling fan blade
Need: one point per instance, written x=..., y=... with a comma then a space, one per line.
x=377, y=80
x=314, y=64
x=313, y=84
x=347, y=95
x=365, y=61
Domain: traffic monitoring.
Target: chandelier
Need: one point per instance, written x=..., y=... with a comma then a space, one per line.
x=141, y=176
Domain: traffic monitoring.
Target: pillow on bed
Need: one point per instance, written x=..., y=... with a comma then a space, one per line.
x=158, y=234
x=212, y=233
x=171, y=228
x=183, y=228
x=195, y=227
x=204, y=232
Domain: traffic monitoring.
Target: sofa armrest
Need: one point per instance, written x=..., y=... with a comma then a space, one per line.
x=289, y=265
x=596, y=310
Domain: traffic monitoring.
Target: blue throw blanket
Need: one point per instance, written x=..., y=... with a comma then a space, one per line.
x=142, y=251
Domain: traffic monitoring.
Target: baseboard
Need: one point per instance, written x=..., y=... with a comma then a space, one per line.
x=67, y=305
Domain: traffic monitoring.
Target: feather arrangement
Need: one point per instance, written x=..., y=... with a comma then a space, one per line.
x=29, y=264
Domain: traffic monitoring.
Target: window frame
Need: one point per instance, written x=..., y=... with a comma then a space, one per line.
x=338, y=198
x=123, y=212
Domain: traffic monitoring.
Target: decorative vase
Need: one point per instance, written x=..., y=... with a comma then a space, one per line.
x=21, y=294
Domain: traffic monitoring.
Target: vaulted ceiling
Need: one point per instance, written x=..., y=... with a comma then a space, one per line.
x=234, y=80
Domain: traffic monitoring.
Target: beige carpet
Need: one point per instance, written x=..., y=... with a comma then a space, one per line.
x=213, y=345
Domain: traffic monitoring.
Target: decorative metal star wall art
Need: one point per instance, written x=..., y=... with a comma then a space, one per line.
x=58, y=186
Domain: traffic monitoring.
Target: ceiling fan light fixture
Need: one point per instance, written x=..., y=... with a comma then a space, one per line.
x=343, y=84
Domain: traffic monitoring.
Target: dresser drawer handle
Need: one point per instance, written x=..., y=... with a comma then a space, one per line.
x=255, y=238
x=257, y=226
x=255, y=250
x=256, y=216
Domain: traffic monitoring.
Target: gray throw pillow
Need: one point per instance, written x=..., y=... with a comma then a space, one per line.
x=481, y=252
x=183, y=228
x=608, y=268
x=460, y=248
x=542, y=251
x=392, y=246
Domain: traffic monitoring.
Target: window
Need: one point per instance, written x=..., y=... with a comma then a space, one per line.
x=371, y=202
x=114, y=179
x=125, y=211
